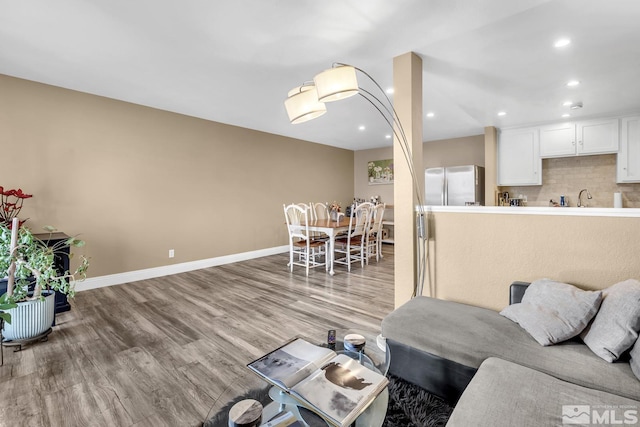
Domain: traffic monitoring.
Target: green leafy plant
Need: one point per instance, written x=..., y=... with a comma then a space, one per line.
x=6, y=303
x=32, y=260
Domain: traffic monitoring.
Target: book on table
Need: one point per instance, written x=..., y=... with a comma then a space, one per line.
x=335, y=386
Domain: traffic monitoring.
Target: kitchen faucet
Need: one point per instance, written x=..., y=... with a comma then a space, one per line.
x=580, y=205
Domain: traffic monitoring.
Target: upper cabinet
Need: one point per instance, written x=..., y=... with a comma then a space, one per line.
x=558, y=140
x=519, y=161
x=598, y=136
x=579, y=138
x=629, y=154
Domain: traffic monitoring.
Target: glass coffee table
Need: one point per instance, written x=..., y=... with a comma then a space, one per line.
x=375, y=356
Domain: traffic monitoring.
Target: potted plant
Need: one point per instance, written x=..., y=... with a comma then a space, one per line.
x=334, y=210
x=10, y=204
x=28, y=263
x=6, y=303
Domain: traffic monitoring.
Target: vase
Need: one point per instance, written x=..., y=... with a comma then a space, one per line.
x=333, y=215
x=30, y=318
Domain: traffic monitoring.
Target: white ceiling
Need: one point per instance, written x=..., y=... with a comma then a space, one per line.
x=234, y=61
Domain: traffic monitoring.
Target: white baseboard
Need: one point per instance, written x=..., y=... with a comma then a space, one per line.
x=150, y=273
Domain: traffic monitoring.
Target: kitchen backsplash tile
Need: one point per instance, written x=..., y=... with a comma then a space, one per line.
x=568, y=175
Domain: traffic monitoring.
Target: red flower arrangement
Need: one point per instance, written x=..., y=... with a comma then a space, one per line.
x=10, y=204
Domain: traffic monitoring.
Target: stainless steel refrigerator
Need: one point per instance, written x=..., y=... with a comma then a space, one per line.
x=454, y=186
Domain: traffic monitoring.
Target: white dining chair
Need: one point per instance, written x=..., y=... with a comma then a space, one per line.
x=353, y=246
x=305, y=206
x=303, y=249
x=319, y=210
x=374, y=236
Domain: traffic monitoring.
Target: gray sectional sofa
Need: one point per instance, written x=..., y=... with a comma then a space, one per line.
x=498, y=375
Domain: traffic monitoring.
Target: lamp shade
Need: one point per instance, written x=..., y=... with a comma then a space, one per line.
x=336, y=83
x=303, y=105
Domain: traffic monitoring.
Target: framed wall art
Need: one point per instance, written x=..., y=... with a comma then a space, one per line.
x=380, y=172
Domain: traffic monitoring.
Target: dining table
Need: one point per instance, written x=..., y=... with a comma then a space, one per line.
x=331, y=228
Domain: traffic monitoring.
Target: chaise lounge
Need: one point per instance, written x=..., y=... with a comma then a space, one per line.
x=498, y=374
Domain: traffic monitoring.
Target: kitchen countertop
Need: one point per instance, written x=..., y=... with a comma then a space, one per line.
x=538, y=210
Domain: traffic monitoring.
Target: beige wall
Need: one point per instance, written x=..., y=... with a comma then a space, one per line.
x=454, y=152
x=474, y=257
x=446, y=152
x=136, y=182
x=568, y=175
x=361, y=183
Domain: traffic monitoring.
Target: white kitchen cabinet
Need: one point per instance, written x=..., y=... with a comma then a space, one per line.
x=628, y=165
x=579, y=138
x=598, y=136
x=519, y=161
x=558, y=140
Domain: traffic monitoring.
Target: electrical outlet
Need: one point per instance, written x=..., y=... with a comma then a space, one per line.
x=171, y=253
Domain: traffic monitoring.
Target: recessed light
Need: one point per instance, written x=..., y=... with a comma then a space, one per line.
x=361, y=127
x=562, y=42
x=576, y=106
x=389, y=91
x=566, y=115
x=573, y=83
x=387, y=136
x=502, y=113
x=567, y=103
x=430, y=114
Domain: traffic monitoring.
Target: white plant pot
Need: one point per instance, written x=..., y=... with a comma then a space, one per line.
x=30, y=318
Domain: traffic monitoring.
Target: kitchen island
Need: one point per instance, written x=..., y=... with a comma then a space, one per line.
x=475, y=252
x=538, y=210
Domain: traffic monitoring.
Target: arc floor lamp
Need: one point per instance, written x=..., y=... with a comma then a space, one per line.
x=307, y=102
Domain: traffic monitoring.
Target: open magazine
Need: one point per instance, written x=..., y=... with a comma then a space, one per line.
x=334, y=386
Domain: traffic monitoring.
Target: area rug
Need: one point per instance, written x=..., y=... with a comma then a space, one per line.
x=412, y=406
x=409, y=406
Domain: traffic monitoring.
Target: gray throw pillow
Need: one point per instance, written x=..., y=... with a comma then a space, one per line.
x=615, y=327
x=635, y=359
x=552, y=312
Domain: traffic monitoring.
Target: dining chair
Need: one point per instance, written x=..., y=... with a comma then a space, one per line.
x=353, y=246
x=303, y=249
x=319, y=211
x=305, y=206
x=374, y=235
x=311, y=216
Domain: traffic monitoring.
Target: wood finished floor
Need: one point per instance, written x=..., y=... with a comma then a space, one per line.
x=172, y=350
